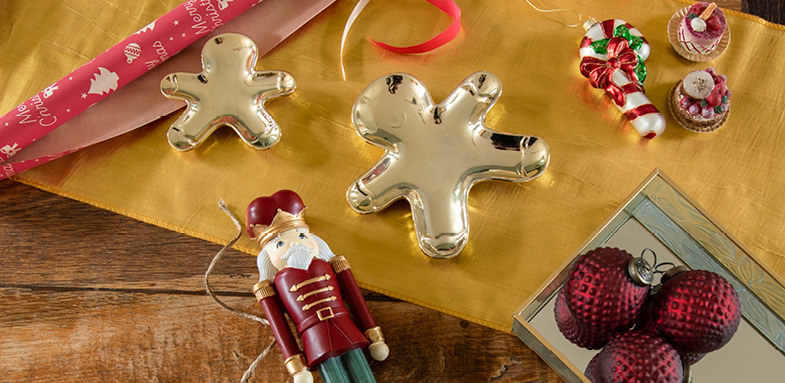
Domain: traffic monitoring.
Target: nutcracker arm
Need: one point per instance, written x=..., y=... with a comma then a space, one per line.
x=303, y=376
x=273, y=310
x=351, y=293
x=354, y=299
x=378, y=348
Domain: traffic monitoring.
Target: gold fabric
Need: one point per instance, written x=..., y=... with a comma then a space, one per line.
x=520, y=233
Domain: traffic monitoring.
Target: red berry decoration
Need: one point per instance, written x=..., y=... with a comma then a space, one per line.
x=606, y=288
x=638, y=356
x=714, y=99
x=714, y=23
x=697, y=311
x=574, y=331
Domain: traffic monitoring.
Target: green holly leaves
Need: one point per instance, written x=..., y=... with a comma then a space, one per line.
x=640, y=70
x=601, y=47
x=624, y=32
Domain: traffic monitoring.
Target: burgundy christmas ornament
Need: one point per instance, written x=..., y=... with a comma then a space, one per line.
x=576, y=332
x=645, y=320
x=606, y=288
x=637, y=357
x=690, y=358
x=697, y=311
x=591, y=369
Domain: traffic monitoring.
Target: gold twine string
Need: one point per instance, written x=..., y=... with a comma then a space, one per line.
x=249, y=316
x=580, y=15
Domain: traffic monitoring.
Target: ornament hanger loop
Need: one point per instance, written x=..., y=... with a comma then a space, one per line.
x=658, y=269
x=640, y=271
x=653, y=265
x=580, y=15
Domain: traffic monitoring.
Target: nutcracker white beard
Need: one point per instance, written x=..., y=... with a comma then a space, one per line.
x=267, y=271
x=298, y=256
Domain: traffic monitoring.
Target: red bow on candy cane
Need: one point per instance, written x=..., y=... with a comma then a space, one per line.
x=600, y=72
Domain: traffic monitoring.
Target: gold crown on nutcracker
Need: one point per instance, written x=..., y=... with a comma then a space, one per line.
x=283, y=221
x=267, y=217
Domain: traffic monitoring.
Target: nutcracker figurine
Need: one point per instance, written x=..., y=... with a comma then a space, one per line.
x=299, y=275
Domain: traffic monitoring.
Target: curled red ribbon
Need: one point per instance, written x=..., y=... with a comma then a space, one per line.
x=447, y=6
x=600, y=72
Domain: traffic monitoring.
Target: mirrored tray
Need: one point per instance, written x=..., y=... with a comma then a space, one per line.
x=659, y=216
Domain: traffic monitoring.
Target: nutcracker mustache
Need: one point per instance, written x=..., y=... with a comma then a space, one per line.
x=298, y=256
x=267, y=270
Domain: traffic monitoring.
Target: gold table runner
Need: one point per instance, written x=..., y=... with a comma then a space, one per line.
x=520, y=233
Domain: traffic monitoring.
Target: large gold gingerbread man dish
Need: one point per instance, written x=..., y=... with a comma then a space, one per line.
x=229, y=92
x=435, y=153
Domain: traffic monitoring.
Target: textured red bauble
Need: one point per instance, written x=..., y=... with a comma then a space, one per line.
x=645, y=320
x=697, y=311
x=691, y=358
x=591, y=370
x=576, y=332
x=601, y=293
x=638, y=357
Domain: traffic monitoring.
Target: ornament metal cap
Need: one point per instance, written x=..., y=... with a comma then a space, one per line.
x=640, y=271
x=672, y=273
x=589, y=23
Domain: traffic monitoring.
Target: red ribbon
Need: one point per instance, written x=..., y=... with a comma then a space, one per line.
x=642, y=110
x=447, y=6
x=600, y=72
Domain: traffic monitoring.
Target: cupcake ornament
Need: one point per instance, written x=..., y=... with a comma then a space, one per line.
x=701, y=101
x=699, y=32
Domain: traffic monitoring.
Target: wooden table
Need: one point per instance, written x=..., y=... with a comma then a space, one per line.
x=91, y=296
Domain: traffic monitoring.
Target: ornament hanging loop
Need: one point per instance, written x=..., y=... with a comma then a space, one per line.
x=663, y=269
x=660, y=268
x=653, y=253
x=641, y=272
x=580, y=15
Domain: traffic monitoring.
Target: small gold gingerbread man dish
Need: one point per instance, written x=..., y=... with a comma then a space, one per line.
x=229, y=92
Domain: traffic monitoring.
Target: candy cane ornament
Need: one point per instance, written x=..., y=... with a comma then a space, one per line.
x=612, y=54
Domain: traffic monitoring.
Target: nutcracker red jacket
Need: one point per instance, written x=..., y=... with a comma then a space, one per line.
x=314, y=301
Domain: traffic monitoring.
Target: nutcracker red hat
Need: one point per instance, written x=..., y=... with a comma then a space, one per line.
x=266, y=217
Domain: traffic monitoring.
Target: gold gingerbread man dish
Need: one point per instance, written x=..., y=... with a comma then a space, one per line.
x=434, y=153
x=228, y=92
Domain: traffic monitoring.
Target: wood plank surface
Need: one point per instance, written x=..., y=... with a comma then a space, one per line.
x=771, y=10
x=91, y=296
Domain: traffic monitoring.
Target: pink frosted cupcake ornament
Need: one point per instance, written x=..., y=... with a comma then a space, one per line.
x=699, y=32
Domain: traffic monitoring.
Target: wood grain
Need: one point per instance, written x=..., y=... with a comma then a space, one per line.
x=91, y=296
x=88, y=295
x=771, y=10
x=96, y=336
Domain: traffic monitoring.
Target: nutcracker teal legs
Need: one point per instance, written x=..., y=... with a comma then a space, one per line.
x=349, y=367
